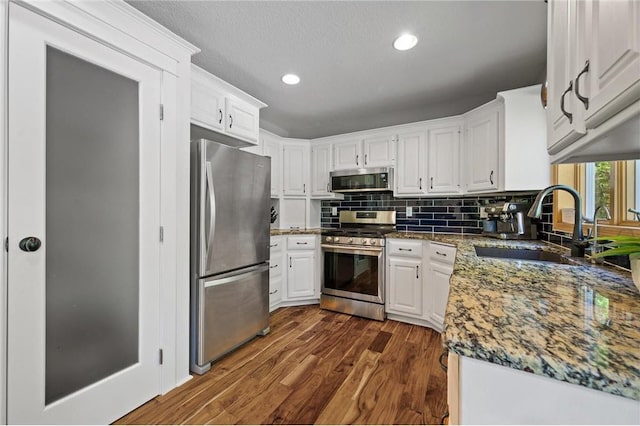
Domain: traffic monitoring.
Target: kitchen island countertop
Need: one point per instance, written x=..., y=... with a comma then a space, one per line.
x=575, y=323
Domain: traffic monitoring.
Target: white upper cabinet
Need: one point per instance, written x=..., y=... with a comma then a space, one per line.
x=443, y=157
x=295, y=166
x=409, y=173
x=347, y=155
x=593, y=67
x=378, y=151
x=481, y=147
x=320, y=169
x=218, y=106
x=272, y=148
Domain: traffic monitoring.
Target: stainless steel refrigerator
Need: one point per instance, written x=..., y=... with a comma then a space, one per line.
x=230, y=195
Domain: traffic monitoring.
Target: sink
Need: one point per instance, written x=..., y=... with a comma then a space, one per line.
x=522, y=254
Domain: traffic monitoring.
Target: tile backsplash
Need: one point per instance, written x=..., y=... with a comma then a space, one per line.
x=456, y=215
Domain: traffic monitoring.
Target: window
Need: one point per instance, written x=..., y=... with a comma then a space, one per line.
x=615, y=184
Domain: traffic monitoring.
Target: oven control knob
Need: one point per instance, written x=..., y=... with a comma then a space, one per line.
x=365, y=242
x=328, y=239
x=350, y=240
x=336, y=239
x=374, y=242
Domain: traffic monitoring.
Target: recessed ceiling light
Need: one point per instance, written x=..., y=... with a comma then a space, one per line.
x=290, y=79
x=405, y=42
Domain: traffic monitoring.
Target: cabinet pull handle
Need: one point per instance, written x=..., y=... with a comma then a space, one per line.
x=328, y=190
x=441, y=360
x=273, y=292
x=417, y=271
x=304, y=188
x=420, y=183
x=357, y=157
x=564, y=111
x=441, y=254
x=230, y=121
x=584, y=99
x=431, y=182
x=365, y=159
x=273, y=245
x=220, y=116
x=404, y=249
x=289, y=261
x=274, y=266
x=491, y=177
x=301, y=244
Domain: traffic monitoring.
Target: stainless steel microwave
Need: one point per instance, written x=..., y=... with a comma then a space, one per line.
x=362, y=180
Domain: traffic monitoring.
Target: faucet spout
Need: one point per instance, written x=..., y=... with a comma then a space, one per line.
x=578, y=244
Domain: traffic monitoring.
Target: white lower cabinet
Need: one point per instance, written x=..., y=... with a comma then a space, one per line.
x=417, y=286
x=300, y=275
x=276, y=266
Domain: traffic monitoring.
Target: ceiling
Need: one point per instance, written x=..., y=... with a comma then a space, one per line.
x=351, y=77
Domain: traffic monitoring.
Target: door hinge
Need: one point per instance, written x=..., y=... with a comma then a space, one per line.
x=162, y=234
x=6, y=244
x=161, y=112
x=161, y=357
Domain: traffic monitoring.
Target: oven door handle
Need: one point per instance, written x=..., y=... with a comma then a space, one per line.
x=351, y=249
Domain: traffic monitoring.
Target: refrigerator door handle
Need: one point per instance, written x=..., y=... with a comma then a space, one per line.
x=212, y=215
x=231, y=278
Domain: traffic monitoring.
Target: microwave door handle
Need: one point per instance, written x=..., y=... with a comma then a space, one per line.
x=212, y=208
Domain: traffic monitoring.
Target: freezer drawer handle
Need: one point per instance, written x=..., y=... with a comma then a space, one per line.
x=229, y=279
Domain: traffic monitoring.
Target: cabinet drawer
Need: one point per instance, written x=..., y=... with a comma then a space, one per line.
x=406, y=248
x=301, y=243
x=442, y=253
x=275, y=267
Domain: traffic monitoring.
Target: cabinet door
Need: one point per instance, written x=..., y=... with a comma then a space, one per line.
x=405, y=286
x=347, y=155
x=295, y=161
x=613, y=37
x=409, y=170
x=439, y=290
x=301, y=275
x=377, y=152
x=242, y=120
x=207, y=105
x=443, y=156
x=275, y=291
x=561, y=39
x=274, y=150
x=481, y=150
x=320, y=167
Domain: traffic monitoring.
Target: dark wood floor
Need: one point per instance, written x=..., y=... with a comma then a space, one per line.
x=315, y=367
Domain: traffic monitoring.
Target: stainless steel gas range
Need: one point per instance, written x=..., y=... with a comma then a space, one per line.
x=353, y=275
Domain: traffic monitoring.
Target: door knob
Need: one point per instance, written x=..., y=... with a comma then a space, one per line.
x=30, y=244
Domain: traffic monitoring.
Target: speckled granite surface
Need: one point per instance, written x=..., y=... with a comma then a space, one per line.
x=575, y=323
x=300, y=231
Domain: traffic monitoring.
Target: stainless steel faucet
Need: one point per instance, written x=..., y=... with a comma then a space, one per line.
x=578, y=243
x=595, y=247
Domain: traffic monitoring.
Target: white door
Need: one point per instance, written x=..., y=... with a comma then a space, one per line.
x=242, y=120
x=300, y=277
x=295, y=160
x=613, y=33
x=443, y=156
x=274, y=150
x=439, y=288
x=377, y=151
x=347, y=155
x=481, y=150
x=409, y=180
x=405, y=286
x=320, y=166
x=84, y=183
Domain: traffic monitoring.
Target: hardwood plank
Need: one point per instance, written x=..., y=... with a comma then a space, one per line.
x=315, y=366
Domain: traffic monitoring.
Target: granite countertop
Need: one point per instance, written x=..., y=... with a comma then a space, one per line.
x=300, y=231
x=576, y=323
